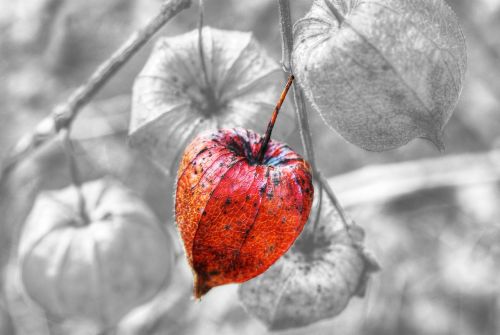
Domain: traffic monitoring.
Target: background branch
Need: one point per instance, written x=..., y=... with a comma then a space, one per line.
x=63, y=115
x=383, y=183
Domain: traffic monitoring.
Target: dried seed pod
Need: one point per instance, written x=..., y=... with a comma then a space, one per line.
x=237, y=215
x=97, y=270
x=316, y=279
x=381, y=72
x=177, y=95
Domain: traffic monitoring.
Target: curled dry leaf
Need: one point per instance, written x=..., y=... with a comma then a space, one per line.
x=97, y=270
x=173, y=102
x=316, y=279
x=381, y=72
x=237, y=215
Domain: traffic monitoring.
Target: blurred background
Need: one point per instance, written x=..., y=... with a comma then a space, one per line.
x=432, y=219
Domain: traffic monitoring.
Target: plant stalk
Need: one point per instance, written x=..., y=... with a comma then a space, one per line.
x=299, y=98
x=270, y=126
x=300, y=106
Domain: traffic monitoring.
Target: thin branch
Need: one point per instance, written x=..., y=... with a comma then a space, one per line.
x=381, y=184
x=286, y=36
x=63, y=115
x=318, y=211
x=305, y=130
x=334, y=200
x=287, y=47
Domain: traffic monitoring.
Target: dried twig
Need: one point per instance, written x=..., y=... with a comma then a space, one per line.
x=63, y=115
x=300, y=106
x=381, y=184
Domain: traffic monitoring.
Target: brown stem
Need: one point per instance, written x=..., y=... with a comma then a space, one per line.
x=270, y=126
x=63, y=115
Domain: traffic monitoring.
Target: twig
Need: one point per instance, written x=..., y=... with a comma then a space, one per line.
x=63, y=115
x=300, y=106
x=286, y=35
x=318, y=211
x=334, y=200
x=305, y=130
x=385, y=183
